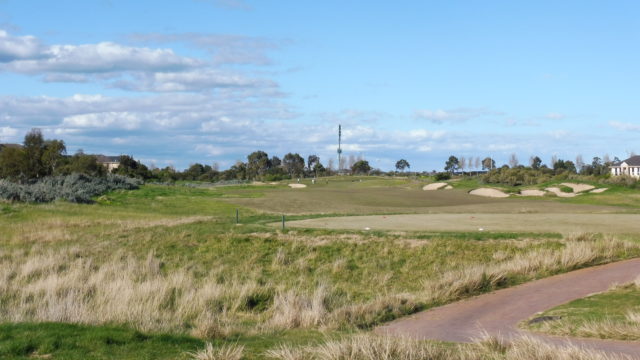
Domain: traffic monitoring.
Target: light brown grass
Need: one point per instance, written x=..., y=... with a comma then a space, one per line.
x=370, y=347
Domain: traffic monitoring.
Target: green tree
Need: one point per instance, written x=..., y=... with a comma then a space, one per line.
x=360, y=167
x=132, y=168
x=34, y=147
x=452, y=164
x=53, y=156
x=293, y=165
x=84, y=164
x=488, y=164
x=536, y=162
x=12, y=164
x=402, y=164
x=257, y=164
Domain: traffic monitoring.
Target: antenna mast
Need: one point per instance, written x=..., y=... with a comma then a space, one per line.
x=339, y=148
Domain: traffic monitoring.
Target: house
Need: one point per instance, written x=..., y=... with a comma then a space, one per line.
x=630, y=167
x=14, y=146
x=110, y=162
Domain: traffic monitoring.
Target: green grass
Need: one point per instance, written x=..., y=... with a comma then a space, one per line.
x=81, y=342
x=67, y=341
x=358, y=266
x=593, y=316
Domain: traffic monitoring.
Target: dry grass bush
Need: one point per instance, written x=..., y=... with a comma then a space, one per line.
x=225, y=352
x=579, y=251
x=67, y=285
x=370, y=347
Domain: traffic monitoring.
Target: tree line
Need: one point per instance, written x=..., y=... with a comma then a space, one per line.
x=38, y=158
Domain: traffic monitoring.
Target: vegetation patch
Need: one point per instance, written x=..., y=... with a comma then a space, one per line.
x=77, y=188
x=614, y=314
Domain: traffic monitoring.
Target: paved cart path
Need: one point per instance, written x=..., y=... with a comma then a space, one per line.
x=499, y=312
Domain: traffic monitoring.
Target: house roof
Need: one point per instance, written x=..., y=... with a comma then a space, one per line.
x=15, y=146
x=107, y=159
x=633, y=161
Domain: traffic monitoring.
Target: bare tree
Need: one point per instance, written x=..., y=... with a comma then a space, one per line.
x=554, y=160
x=352, y=160
x=606, y=159
x=579, y=163
x=478, y=163
x=463, y=163
x=342, y=163
x=330, y=164
x=513, y=160
x=215, y=166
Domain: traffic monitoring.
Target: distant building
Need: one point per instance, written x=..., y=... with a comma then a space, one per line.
x=630, y=167
x=15, y=146
x=110, y=162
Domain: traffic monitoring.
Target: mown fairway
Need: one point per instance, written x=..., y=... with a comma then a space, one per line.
x=167, y=268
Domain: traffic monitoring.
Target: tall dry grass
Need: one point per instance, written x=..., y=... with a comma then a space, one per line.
x=579, y=251
x=69, y=285
x=370, y=347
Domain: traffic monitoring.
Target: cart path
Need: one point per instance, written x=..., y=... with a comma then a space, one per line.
x=499, y=312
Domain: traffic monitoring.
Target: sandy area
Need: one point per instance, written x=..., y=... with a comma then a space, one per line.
x=488, y=192
x=434, y=186
x=297, y=186
x=532, y=193
x=564, y=223
x=598, y=191
x=448, y=187
x=560, y=193
x=577, y=188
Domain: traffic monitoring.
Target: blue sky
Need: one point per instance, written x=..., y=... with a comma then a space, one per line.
x=177, y=82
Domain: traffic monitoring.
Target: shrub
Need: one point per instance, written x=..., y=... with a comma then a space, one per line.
x=78, y=188
x=443, y=176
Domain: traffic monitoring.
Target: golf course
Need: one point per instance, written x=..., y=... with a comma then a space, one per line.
x=185, y=270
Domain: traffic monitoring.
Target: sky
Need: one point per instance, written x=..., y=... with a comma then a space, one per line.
x=210, y=81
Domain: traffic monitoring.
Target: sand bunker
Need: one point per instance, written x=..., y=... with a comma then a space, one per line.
x=434, y=186
x=488, y=192
x=598, y=191
x=448, y=187
x=297, y=186
x=560, y=193
x=532, y=193
x=577, y=188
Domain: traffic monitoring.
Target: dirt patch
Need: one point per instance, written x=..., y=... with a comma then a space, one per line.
x=578, y=188
x=488, y=192
x=532, y=193
x=297, y=186
x=434, y=186
x=448, y=187
x=560, y=193
x=598, y=191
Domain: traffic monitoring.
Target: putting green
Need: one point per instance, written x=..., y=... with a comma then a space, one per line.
x=551, y=222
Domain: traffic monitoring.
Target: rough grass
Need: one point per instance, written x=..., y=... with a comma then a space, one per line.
x=368, y=347
x=614, y=314
x=71, y=285
x=171, y=259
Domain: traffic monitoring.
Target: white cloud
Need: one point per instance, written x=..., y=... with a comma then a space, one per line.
x=554, y=116
x=18, y=47
x=191, y=81
x=454, y=115
x=622, y=126
x=111, y=120
x=7, y=132
x=101, y=58
x=225, y=48
x=558, y=134
x=142, y=68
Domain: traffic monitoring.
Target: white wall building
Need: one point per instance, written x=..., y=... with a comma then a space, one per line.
x=630, y=167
